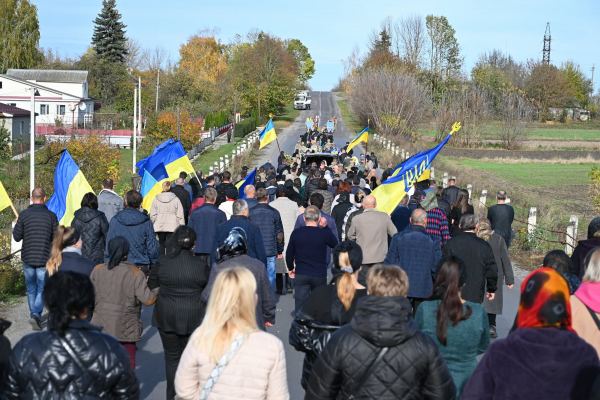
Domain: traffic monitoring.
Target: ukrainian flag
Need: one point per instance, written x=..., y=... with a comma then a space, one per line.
x=69, y=188
x=152, y=184
x=241, y=185
x=405, y=175
x=267, y=135
x=362, y=137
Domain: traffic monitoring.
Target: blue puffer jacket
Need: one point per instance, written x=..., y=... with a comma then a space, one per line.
x=256, y=248
x=418, y=253
x=269, y=221
x=204, y=220
x=137, y=228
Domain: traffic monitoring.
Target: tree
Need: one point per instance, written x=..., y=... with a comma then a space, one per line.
x=581, y=86
x=109, y=39
x=383, y=43
x=306, y=65
x=516, y=114
x=166, y=127
x=411, y=39
x=19, y=35
x=106, y=78
x=548, y=86
x=445, y=51
x=135, y=56
x=203, y=57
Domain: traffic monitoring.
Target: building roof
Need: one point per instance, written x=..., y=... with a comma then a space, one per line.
x=12, y=111
x=38, y=86
x=48, y=75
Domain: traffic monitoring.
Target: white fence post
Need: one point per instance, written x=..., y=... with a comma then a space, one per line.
x=432, y=174
x=483, y=198
x=221, y=164
x=531, y=223
x=226, y=161
x=212, y=171
x=217, y=167
x=470, y=190
x=403, y=154
x=445, y=180
x=571, y=237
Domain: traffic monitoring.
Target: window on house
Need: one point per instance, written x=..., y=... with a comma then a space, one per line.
x=13, y=104
x=60, y=110
x=44, y=109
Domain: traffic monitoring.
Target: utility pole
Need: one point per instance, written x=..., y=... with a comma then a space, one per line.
x=178, y=126
x=593, y=68
x=546, y=51
x=135, y=96
x=32, y=143
x=258, y=104
x=157, y=86
x=140, y=105
x=235, y=115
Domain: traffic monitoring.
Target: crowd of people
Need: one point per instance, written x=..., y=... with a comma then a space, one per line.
x=386, y=306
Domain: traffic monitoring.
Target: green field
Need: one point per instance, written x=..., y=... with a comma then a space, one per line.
x=558, y=133
x=287, y=117
x=537, y=175
x=352, y=123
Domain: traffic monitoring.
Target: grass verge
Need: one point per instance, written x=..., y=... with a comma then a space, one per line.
x=286, y=118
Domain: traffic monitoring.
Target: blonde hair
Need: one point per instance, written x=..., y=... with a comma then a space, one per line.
x=387, y=281
x=166, y=186
x=231, y=310
x=485, y=229
x=62, y=235
x=592, y=269
x=345, y=286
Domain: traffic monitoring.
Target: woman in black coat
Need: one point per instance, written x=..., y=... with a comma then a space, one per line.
x=93, y=226
x=459, y=208
x=178, y=310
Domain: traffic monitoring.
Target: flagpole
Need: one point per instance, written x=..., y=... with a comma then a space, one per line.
x=277, y=144
x=14, y=210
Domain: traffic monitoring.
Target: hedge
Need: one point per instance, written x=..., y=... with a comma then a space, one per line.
x=244, y=127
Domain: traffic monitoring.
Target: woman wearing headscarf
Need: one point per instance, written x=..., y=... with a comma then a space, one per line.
x=328, y=307
x=121, y=289
x=585, y=303
x=505, y=271
x=178, y=310
x=437, y=222
x=543, y=358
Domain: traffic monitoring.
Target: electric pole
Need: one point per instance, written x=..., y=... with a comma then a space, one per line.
x=157, y=86
x=178, y=126
x=593, y=68
x=140, y=105
x=234, y=115
x=135, y=96
x=259, y=104
x=546, y=51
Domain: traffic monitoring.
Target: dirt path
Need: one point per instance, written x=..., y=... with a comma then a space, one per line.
x=524, y=154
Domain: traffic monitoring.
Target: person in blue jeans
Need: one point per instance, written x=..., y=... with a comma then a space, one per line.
x=306, y=255
x=35, y=227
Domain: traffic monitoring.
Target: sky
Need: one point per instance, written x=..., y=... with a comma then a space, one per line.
x=331, y=29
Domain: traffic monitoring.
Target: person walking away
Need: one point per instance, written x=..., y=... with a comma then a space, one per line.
x=559, y=261
x=109, y=202
x=227, y=206
x=317, y=200
x=381, y=354
x=478, y=256
x=166, y=214
x=35, y=226
x=289, y=212
x=139, y=231
x=442, y=201
x=204, y=221
x=458, y=327
x=311, y=185
x=183, y=175
x=401, y=214
x=228, y=356
x=250, y=192
x=178, y=311
x=418, y=252
x=459, y=208
x=93, y=226
x=4, y=345
x=584, y=246
x=197, y=182
x=543, y=358
x=328, y=307
x=121, y=289
x=501, y=217
x=67, y=255
x=585, y=303
x=342, y=186
x=340, y=210
x=505, y=272
x=353, y=211
x=233, y=253
x=272, y=189
x=327, y=196
x=92, y=364
x=199, y=200
x=437, y=223
x=306, y=255
x=223, y=187
x=254, y=241
x=371, y=230
x=184, y=197
x=269, y=222
x=451, y=192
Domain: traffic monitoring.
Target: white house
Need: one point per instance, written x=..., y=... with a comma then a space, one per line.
x=59, y=95
x=16, y=120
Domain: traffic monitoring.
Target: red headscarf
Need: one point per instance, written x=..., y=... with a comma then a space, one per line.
x=545, y=301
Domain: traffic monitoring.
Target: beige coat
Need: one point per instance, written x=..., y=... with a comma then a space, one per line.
x=257, y=371
x=289, y=212
x=584, y=324
x=166, y=212
x=371, y=230
x=120, y=293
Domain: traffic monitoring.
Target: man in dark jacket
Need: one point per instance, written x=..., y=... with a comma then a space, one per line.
x=311, y=185
x=223, y=187
x=35, y=227
x=109, y=202
x=317, y=200
x=4, y=345
x=451, y=192
x=501, y=217
x=401, y=215
x=184, y=197
x=340, y=210
x=233, y=253
x=478, y=256
x=418, y=252
x=411, y=368
x=197, y=184
x=139, y=231
x=239, y=219
x=269, y=222
x=204, y=220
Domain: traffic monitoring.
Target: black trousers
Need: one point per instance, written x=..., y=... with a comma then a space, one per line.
x=492, y=319
x=305, y=284
x=173, y=345
x=279, y=281
x=162, y=240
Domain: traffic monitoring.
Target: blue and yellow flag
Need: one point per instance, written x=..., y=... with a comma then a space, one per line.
x=267, y=135
x=69, y=188
x=152, y=184
x=362, y=137
x=416, y=168
x=241, y=185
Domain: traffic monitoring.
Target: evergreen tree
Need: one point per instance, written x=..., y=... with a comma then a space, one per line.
x=109, y=39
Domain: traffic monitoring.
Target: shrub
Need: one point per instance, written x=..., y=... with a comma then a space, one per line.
x=563, y=116
x=165, y=128
x=244, y=127
x=594, y=175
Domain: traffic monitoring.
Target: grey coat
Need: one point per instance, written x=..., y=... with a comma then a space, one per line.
x=505, y=273
x=289, y=211
x=110, y=203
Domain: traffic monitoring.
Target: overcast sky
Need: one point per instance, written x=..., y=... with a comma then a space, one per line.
x=331, y=29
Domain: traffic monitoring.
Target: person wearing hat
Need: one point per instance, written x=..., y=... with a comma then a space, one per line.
x=233, y=252
x=437, y=222
x=227, y=206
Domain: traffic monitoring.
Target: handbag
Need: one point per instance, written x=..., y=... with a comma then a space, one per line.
x=368, y=373
x=83, y=368
x=221, y=365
